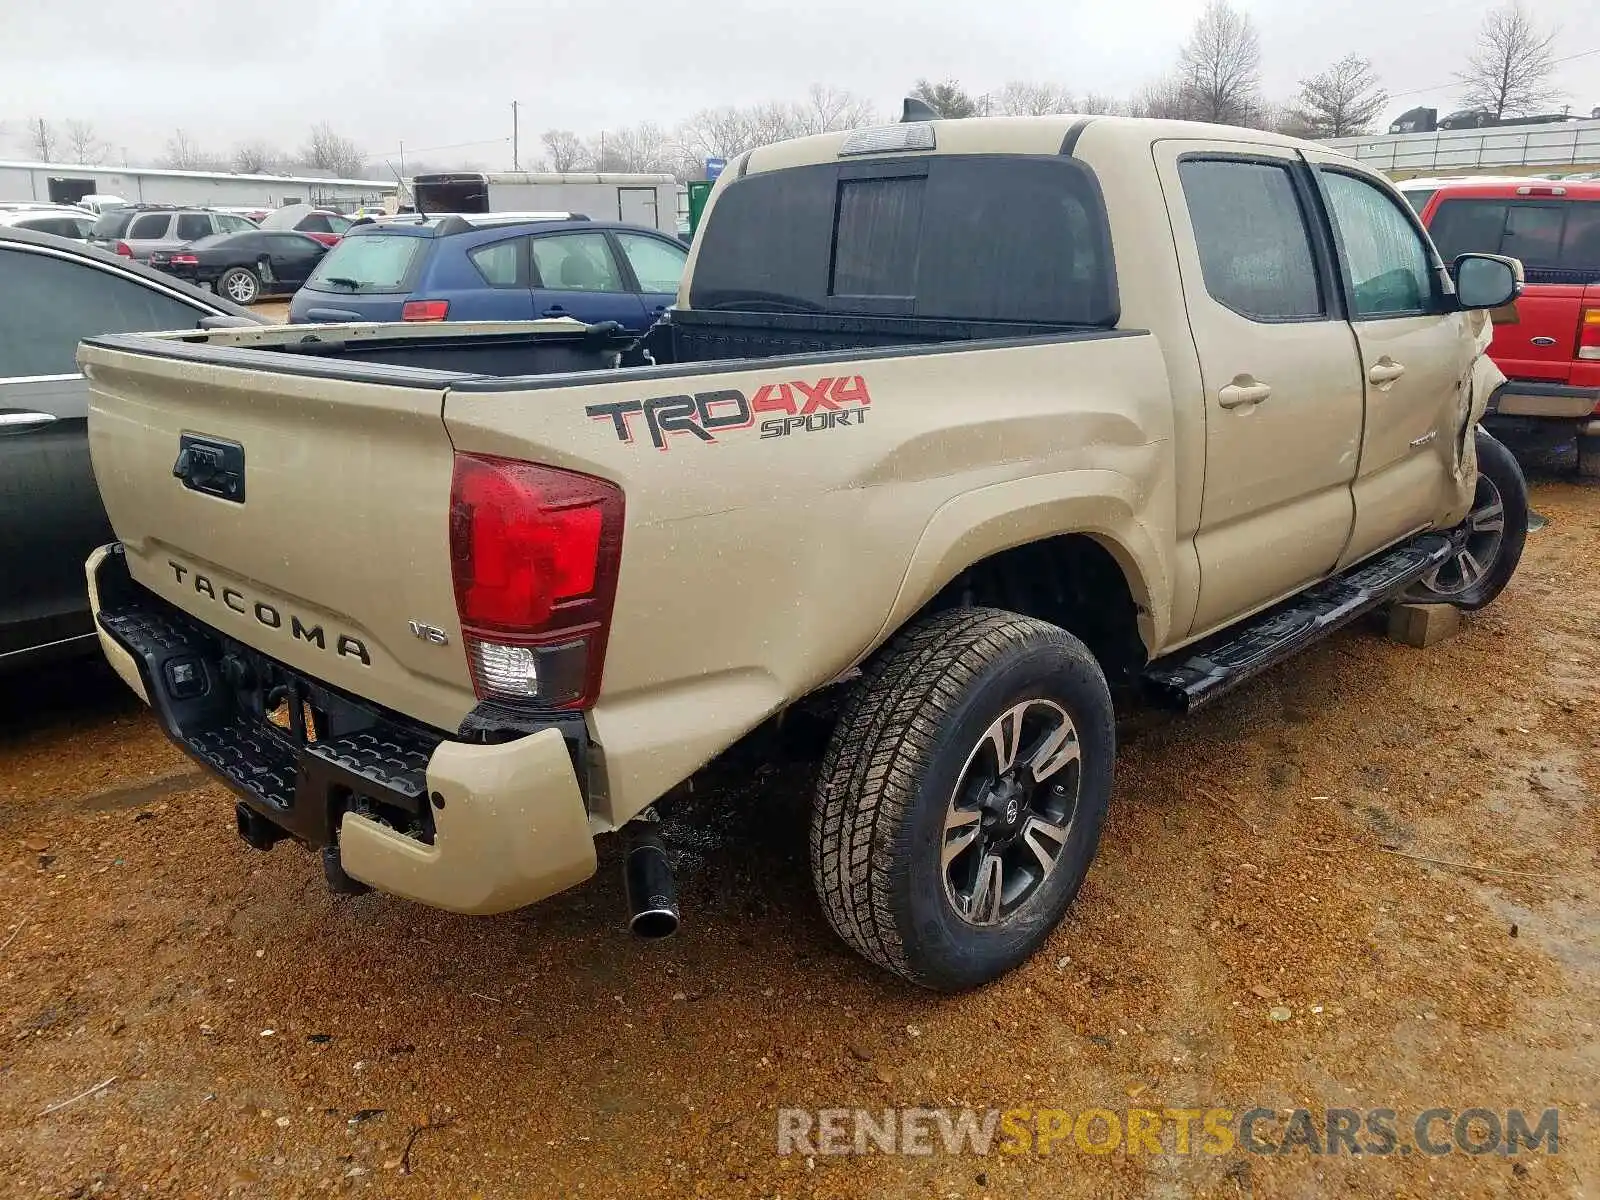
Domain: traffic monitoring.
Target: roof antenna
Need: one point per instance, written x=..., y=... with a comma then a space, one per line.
x=406, y=190
x=917, y=110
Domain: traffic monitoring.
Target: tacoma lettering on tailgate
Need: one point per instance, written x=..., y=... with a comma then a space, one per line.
x=829, y=403
x=270, y=615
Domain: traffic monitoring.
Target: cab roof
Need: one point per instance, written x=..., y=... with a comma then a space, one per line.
x=1003, y=135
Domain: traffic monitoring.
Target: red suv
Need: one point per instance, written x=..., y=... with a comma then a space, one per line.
x=1548, y=340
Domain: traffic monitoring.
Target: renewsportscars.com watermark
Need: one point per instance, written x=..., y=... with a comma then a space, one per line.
x=1171, y=1131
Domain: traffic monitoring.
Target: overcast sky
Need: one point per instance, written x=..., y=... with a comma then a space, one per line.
x=435, y=73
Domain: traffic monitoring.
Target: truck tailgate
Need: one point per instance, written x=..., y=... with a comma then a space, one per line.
x=330, y=539
x=1538, y=338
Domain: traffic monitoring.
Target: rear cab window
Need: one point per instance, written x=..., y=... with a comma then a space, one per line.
x=1557, y=239
x=1001, y=238
x=371, y=263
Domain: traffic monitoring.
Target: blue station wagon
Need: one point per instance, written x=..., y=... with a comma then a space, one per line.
x=494, y=268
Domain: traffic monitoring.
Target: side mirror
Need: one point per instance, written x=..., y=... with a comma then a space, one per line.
x=1487, y=280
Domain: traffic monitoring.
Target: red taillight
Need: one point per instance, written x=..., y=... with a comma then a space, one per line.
x=425, y=310
x=124, y=249
x=184, y=260
x=1589, y=334
x=534, y=552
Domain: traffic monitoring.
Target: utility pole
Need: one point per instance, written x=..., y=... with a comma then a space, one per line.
x=402, y=160
x=516, y=160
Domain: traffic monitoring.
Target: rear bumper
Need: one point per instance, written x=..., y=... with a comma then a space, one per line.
x=469, y=827
x=1536, y=398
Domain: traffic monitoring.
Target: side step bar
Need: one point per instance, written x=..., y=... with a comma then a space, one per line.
x=1199, y=674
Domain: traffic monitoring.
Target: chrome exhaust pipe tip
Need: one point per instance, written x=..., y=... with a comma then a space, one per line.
x=652, y=891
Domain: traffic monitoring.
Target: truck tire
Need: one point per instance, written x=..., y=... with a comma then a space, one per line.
x=1495, y=531
x=961, y=798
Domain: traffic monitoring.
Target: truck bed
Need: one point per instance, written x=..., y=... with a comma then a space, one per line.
x=690, y=336
x=429, y=355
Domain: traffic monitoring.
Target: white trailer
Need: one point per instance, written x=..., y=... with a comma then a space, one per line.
x=637, y=198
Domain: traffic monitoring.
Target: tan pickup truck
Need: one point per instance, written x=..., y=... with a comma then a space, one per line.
x=987, y=428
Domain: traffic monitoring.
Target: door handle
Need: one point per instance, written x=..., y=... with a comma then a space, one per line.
x=1385, y=371
x=555, y=310
x=24, y=422
x=1245, y=389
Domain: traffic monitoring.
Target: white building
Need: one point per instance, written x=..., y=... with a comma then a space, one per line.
x=64, y=184
x=1514, y=149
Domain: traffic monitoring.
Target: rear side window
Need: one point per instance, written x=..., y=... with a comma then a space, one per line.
x=69, y=301
x=976, y=237
x=150, y=225
x=314, y=223
x=233, y=224
x=111, y=224
x=1557, y=241
x=378, y=263
x=497, y=262
x=193, y=225
x=1254, y=243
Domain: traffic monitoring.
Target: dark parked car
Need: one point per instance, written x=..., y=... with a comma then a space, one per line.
x=53, y=293
x=245, y=266
x=495, y=268
x=323, y=224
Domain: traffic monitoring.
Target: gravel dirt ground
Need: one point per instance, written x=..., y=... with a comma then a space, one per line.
x=1270, y=924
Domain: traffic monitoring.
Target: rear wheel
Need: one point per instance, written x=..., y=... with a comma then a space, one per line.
x=240, y=284
x=961, y=799
x=1489, y=541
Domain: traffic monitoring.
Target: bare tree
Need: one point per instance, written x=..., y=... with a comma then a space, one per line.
x=84, y=144
x=1020, y=98
x=1098, y=104
x=41, y=139
x=1219, y=67
x=566, y=150
x=637, y=148
x=1342, y=101
x=1511, y=71
x=183, y=153
x=1167, y=99
x=257, y=158
x=726, y=132
x=332, y=154
x=827, y=109
x=946, y=98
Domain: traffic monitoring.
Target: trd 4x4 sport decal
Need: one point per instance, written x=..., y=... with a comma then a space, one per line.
x=801, y=407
